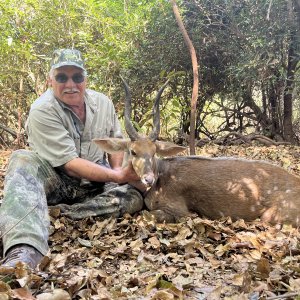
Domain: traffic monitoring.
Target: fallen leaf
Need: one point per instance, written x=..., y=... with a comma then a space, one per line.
x=22, y=294
x=85, y=243
x=56, y=294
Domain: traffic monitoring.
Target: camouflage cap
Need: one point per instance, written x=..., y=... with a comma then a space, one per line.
x=67, y=57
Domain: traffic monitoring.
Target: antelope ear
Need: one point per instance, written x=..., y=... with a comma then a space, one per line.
x=112, y=145
x=168, y=148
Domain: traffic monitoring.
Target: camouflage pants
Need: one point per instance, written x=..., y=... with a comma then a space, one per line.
x=31, y=184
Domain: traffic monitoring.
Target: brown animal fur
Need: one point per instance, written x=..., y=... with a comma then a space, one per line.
x=221, y=187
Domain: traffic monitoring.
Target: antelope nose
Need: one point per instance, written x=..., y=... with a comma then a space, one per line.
x=148, y=179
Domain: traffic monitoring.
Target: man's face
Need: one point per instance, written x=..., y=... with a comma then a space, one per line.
x=68, y=85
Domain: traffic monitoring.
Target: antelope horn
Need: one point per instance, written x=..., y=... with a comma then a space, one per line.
x=132, y=133
x=156, y=117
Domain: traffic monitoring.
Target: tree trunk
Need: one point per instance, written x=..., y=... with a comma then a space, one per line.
x=261, y=116
x=288, y=133
x=273, y=102
x=293, y=59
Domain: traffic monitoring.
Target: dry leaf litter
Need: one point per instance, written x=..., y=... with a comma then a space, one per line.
x=135, y=258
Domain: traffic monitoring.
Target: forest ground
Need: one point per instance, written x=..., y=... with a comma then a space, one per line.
x=135, y=258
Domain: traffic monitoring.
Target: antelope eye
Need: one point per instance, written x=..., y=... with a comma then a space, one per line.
x=133, y=153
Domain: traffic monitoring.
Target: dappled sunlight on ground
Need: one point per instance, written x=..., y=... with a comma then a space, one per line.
x=135, y=258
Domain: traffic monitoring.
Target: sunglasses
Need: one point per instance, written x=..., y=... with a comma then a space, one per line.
x=63, y=78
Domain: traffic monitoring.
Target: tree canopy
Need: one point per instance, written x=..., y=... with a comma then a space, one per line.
x=248, y=54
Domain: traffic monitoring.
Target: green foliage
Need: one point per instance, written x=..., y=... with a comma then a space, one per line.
x=242, y=48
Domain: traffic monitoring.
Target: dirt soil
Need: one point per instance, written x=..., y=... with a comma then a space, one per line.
x=136, y=258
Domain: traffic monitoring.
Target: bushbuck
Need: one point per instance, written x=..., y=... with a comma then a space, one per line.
x=211, y=187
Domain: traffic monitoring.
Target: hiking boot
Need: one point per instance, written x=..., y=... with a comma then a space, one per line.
x=22, y=253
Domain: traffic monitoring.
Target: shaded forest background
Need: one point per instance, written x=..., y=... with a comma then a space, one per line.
x=248, y=53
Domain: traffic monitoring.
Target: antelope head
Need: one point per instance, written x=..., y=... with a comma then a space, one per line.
x=140, y=149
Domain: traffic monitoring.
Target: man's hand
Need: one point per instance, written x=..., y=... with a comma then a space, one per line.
x=82, y=168
x=127, y=174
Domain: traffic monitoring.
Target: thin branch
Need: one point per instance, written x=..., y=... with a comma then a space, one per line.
x=193, y=55
x=12, y=132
